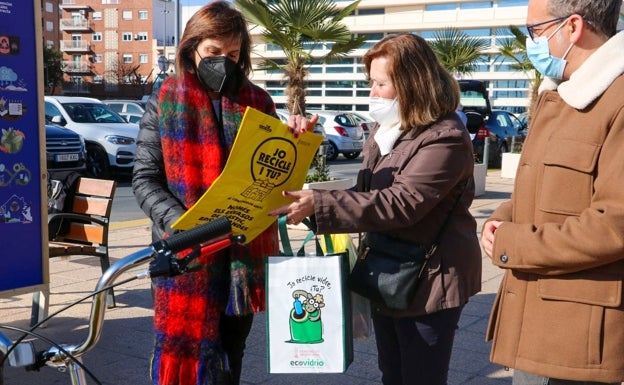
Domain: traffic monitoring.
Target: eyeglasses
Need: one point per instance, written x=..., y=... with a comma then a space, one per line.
x=531, y=27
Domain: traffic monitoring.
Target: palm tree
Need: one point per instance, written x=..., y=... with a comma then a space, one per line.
x=303, y=29
x=457, y=52
x=514, y=49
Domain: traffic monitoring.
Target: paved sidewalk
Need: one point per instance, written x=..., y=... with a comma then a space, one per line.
x=122, y=355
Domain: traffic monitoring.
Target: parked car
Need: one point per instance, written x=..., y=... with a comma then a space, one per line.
x=123, y=105
x=365, y=122
x=110, y=140
x=65, y=149
x=476, y=105
x=131, y=110
x=343, y=131
x=507, y=133
x=131, y=117
x=524, y=119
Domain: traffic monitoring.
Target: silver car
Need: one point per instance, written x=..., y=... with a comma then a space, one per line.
x=343, y=131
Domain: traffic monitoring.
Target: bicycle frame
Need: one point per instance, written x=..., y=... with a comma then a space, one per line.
x=213, y=236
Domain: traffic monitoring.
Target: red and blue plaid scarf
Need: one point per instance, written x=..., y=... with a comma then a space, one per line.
x=188, y=308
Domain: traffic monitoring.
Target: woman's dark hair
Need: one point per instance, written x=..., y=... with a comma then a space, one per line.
x=425, y=90
x=215, y=20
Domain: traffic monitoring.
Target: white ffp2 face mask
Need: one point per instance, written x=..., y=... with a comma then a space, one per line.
x=384, y=111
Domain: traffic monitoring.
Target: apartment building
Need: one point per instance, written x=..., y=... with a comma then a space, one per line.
x=50, y=16
x=108, y=47
x=343, y=86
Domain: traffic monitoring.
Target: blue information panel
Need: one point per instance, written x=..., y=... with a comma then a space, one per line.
x=21, y=239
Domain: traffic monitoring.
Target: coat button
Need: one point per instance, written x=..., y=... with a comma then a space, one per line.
x=504, y=258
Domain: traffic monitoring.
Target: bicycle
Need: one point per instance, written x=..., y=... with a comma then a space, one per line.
x=161, y=255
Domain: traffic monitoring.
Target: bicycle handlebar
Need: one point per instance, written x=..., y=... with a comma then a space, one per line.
x=200, y=234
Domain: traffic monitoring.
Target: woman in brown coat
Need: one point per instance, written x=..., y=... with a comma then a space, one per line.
x=417, y=163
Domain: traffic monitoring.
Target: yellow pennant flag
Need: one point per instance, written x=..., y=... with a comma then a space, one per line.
x=265, y=160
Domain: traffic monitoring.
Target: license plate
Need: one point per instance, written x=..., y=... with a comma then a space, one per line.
x=67, y=157
x=357, y=145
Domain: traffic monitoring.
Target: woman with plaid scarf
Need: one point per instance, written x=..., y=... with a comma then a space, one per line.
x=201, y=319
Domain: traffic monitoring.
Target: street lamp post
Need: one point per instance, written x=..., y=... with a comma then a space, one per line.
x=165, y=12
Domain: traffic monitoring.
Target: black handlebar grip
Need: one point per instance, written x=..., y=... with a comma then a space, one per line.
x=212, y=230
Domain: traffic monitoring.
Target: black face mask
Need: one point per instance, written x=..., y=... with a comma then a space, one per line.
x=216, y=72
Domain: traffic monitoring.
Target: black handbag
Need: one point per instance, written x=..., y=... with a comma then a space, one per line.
x=389, y=269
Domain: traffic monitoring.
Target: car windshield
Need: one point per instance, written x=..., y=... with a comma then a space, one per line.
x=92, y=113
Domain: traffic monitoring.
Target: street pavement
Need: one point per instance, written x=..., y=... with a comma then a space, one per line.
x=123, y=353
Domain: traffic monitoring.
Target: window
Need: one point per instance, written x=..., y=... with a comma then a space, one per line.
x=97, y=15
x=511, y=3
x=51, y=111
x=143, y=15
x=97, y=58
x=372, y=11
x=97, y=79
x=49, y=26
x=50, y=44
x=440, y=7
x=371, y=39
x=127, y=58
x=127, y=36
x=477, y=5
x=143, y=58
x=126, y=15
x=97, y=36
x=49, y=7
x=142, y=36
x=133, y=109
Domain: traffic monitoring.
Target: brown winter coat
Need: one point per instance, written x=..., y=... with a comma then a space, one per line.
x=559, y=310
x=412, y=190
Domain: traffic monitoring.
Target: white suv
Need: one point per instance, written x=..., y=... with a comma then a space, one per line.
x=110, y=140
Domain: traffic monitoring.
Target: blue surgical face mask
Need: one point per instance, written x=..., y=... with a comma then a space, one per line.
x=538, y=53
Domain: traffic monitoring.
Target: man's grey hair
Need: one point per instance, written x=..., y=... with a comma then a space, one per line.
x=601, y=15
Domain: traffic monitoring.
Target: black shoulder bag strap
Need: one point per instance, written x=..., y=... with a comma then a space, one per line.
x=434, y=245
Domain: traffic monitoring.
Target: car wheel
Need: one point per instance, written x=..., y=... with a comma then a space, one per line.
x=351, y=155
x=331, y=151
x=97, y=162
x=498, y=160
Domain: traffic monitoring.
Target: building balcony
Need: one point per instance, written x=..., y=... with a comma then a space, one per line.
x=75, y=24
x=70, y=88
x=76, y=67
x=75, y=46
x=73, y=5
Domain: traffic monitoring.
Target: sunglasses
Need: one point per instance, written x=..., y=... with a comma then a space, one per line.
x=531, y=27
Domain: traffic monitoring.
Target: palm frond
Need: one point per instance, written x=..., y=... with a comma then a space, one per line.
x=458, y=52
x=301, y=28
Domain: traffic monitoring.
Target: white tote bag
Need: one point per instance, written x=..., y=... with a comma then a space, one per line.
x=308, y=313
